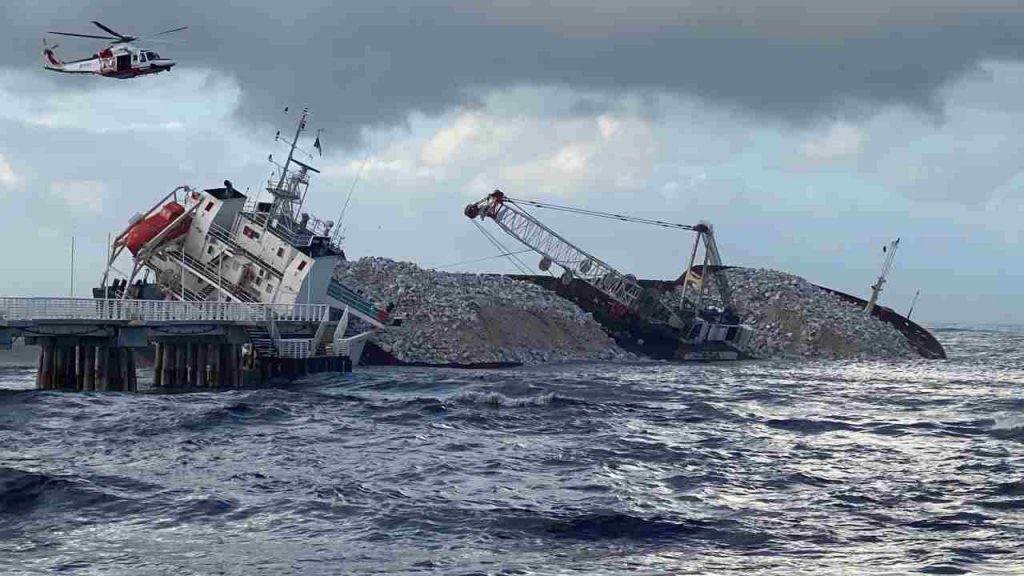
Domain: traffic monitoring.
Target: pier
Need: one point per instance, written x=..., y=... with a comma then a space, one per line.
x=94, y=344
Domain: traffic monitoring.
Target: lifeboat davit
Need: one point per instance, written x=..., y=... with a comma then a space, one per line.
x=148, y=228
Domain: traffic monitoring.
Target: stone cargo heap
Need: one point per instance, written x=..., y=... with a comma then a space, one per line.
x=793, y=318
x=452, y=318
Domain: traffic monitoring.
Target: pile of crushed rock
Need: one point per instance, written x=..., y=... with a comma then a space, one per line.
x=793, y=318
x=452, y=318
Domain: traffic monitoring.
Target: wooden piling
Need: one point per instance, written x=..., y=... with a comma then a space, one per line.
x=190, y=363
x=114, y=369
x=158, y=364
x=180, y=361
x=79, y=365
x=170, y=362
x=89, y=370
x=60, y=367
x=225, y=366
x=102, y=378
x=133, y=375
x=210, y=381
x=45, y=377
x=202, y=371
x=69, y=368
x=236, y=365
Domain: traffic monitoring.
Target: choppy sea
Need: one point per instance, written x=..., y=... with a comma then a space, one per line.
x=782, y=467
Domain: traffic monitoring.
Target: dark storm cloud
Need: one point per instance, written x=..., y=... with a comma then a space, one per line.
x=366, y=63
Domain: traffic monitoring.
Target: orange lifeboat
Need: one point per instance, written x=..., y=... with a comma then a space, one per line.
x=148, y=229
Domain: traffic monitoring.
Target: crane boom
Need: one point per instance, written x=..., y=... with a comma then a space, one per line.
x=714, y=258
x=705, y=234
x=577, y=263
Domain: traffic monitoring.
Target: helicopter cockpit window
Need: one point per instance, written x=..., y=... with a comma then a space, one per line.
x=142, y=56
x=152, y=56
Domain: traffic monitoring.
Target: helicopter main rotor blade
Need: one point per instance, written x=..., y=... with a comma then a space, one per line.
x=109, y=31
x=84, y=35
x=179, y=29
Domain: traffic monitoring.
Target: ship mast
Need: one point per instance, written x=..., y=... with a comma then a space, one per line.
x=286, y=192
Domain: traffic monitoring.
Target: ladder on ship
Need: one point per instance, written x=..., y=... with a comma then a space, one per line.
x=262, y=341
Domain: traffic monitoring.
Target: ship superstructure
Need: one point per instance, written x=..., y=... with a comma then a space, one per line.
x=218, y=245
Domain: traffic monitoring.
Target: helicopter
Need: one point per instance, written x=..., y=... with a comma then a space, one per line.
x=121, y=59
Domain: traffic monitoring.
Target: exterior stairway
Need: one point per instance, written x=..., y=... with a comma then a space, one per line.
x=360, y=307
x=261, y=340
x=208, y=273
x=223, y=236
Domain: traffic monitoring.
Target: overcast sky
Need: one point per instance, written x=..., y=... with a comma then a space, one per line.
x=810, y=132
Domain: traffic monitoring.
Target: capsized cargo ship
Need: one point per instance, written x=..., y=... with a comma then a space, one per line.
x=219, y=245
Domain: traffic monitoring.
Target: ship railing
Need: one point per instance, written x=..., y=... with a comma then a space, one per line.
x=208, y=274
x=96, y=309
x=294, y=348
x=342, y=293
x=339, y=348
x=289, y=230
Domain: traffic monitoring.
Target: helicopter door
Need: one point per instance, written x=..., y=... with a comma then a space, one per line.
x=124, y=62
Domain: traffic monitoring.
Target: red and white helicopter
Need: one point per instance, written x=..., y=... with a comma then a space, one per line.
x=121, y=59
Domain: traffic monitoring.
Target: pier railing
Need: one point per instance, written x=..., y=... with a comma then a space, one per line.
x=28, y=309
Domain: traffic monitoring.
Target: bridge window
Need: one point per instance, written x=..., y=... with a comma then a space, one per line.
x=250, y=233
x=280, y=252
x=209, y=206
x=302, y=265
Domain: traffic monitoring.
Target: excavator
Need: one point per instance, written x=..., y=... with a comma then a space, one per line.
x=638, y=317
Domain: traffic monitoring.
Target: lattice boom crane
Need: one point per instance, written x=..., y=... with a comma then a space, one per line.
x=556, y=249
x=623, y=289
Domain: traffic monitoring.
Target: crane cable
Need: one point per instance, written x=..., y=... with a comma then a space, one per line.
x=606, y=215
x=475, y=260
x=516, y=262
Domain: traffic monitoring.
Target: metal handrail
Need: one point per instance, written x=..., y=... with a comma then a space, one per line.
x=294, y=348
x=29, y=309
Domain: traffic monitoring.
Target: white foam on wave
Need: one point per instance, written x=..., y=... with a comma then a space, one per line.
x=1009, y=423
x=498, y=399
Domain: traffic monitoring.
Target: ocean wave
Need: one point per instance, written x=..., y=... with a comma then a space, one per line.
x=623, y=526
x=245, y=413
x=22, y=492
x=1009, y=427
x=499, y=400
x=809, y=425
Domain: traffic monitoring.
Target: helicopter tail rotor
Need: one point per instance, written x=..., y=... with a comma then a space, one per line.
x=51, y=59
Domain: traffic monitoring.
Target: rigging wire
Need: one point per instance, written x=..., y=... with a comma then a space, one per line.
x=606, y=215
x=516, y=262
x=351, y=189
x=503, y=255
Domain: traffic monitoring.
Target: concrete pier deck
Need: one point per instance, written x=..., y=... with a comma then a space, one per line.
x=91, y=344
